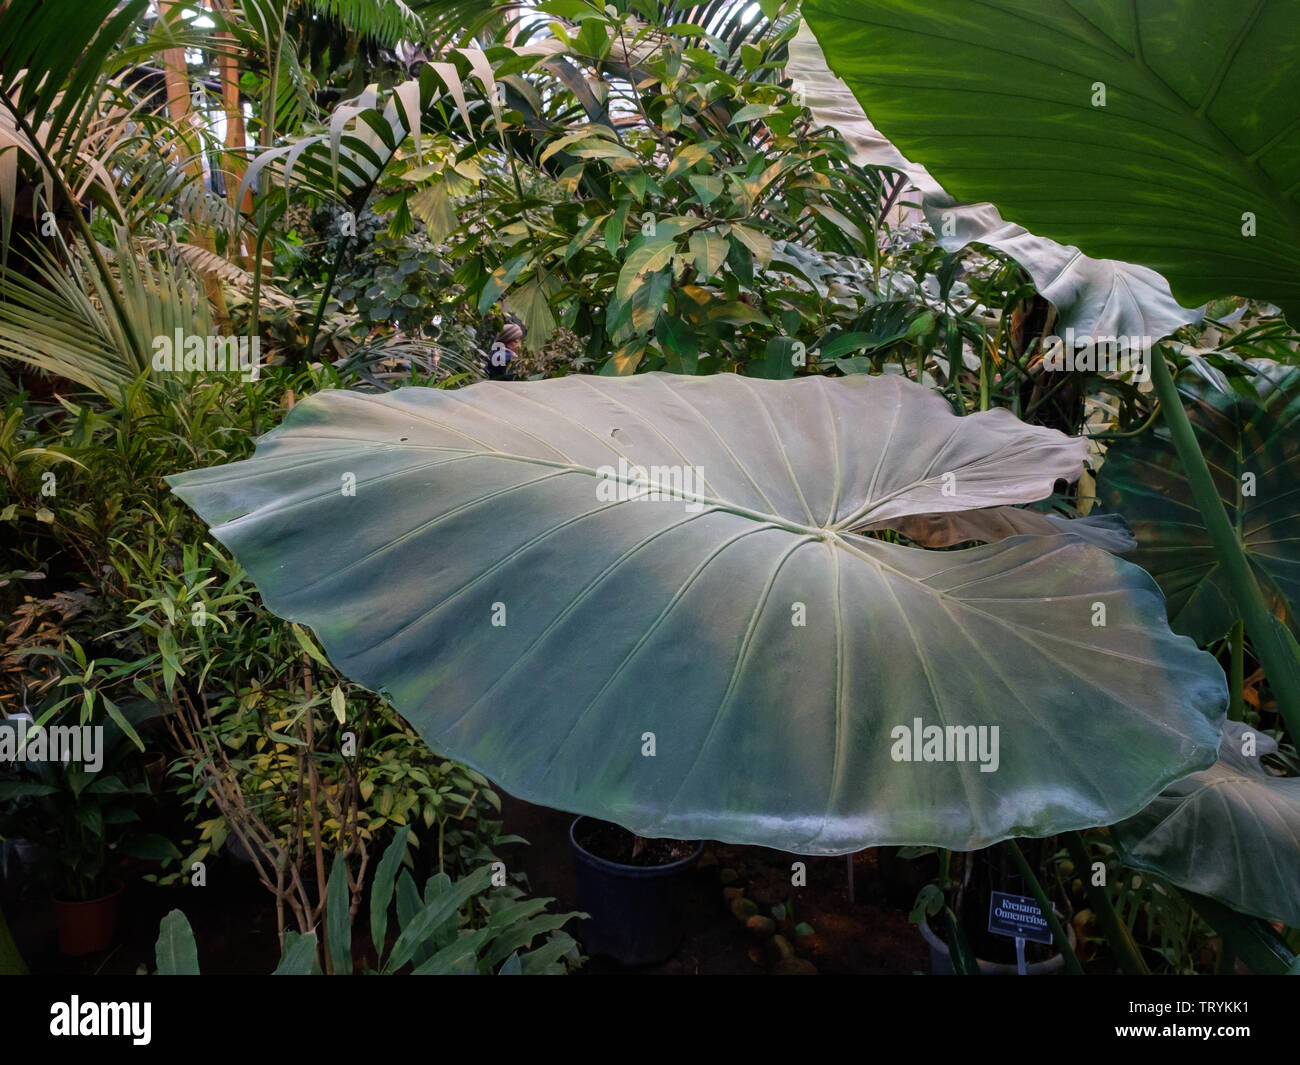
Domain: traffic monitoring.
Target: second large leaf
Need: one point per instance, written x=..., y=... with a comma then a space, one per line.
x=1253, y=452
x=1159, y=132
x=733, y=662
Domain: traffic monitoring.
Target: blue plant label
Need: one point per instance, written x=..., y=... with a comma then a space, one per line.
x=1018, y=917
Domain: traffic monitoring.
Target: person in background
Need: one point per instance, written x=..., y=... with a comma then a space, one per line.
x=505, y=347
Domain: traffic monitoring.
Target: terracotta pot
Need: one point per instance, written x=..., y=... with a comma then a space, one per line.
x=88, y=927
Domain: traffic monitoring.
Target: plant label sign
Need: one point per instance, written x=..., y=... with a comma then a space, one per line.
x=1018, y=917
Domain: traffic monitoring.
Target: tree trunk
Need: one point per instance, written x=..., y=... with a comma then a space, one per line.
x=179, y=111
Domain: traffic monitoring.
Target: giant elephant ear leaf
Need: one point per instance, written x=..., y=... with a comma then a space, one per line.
x=733, y=661
x=1251, y=448
x=1231, y=832
x=1154, y=133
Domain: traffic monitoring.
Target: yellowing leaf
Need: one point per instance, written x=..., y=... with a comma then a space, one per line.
x=758, y=243
x=710, y=251
x=687, y=158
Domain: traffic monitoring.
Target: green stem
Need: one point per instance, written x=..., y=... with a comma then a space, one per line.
x=1267, y=636
x=964, y=962
x=1117, y=934
x=1237, y=673
x=1040, y=896
x=324, y=299
x=1147, y=422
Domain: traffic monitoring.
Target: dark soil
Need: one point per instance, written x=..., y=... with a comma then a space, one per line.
x=616, y=844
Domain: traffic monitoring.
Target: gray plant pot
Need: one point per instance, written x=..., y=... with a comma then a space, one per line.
x=941, y=959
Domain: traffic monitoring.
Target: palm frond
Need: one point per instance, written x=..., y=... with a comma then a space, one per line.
x=55, y=319
x=209, y=264
x=345, y=161
x=387, y=21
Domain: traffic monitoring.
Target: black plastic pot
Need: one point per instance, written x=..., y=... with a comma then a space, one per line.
x=637, y=911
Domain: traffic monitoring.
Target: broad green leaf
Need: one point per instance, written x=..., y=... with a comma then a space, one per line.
x=1155, y=133
x=309, y=645
x=1094, y=296
x=431, y=916
x=701, y=307
x=546, y=958
x=687, y=156
x=502, y=278
x=710, y=251
x=772, y=651
x=175, y=952
x=520, y=935
x=779, y=361
x=299, y=957
x=653, y=255
x=760, y=244
x=338, y=919
x=839, y=346
x=408, y=898
x=708, y=187
x=641, y=287
x=750, y=112
x=435, y=206
x=460, y=956
x=381, y=890
x=534, y=309
x=1250, y=447
x=1231, y=832
x=680, y=343
x=151, y=846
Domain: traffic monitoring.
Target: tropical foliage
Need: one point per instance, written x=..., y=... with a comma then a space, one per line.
x=806, y=266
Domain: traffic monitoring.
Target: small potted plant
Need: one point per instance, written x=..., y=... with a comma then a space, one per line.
x=635, y=890
x=85, y=817
x=946, y=911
